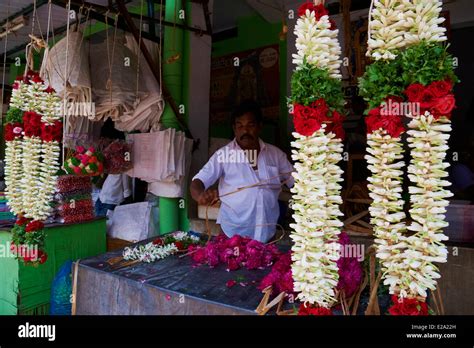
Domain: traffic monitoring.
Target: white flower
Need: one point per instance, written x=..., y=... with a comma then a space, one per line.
x=387, y=208
x=387, y=28
x=395, y=24
x=316, y=211
x=429, y=200
x=149, y=252
x=317, y=44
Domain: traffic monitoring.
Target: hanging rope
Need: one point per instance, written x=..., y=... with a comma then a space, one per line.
x=369, y=21
x=65, y=116
x=110, y=58
x=4, y=63
x=160, y=48
x=139, y=46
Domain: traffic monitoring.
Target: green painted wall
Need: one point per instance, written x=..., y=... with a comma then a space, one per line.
x=255, y=32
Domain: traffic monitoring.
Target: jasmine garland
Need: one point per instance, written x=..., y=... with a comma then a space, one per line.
x=317, y=151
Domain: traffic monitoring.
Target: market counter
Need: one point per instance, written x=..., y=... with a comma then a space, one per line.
x=172, y=286
x=27, y=289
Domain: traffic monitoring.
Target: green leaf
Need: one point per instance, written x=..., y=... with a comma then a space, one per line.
x=14, y=115
x=310, y=83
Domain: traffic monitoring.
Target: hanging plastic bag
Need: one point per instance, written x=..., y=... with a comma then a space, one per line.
x=61, y=290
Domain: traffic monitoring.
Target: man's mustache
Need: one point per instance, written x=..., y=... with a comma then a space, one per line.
x=246, y=136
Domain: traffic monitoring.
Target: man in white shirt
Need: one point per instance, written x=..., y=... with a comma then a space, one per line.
x=116, y=189
x=246, y=161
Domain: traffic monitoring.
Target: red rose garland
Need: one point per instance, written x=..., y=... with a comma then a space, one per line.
x=35, y=130
x=435, y=98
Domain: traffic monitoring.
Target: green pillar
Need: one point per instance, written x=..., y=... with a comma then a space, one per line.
x=173, y=77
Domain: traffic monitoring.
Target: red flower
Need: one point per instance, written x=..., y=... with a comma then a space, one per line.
x=443, y=106
x=158, y=242
x=52, y=132
x=336, y=125
x=441, y=88
x=393, y=124
x=13, y=248
x=50, y=90
x=308, y=119
x=42, y=256
x=230, y=283
x=306, y=127
x=179, y=245
x=11, y=131
x=37, y=79
x=16, y=85
x=319, y=10
x=310, y=310
x=333, y=25
x=22, y=221
x=427, y=99
x=414, y=92
x=32, y=124
x=408, y=306
x=34, y=226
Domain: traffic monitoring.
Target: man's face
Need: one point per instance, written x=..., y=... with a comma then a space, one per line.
x=247, y=131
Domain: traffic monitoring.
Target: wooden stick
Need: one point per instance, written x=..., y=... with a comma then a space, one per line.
x=74, y=287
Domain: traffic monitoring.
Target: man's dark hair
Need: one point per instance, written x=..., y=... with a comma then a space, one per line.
x=245, y=107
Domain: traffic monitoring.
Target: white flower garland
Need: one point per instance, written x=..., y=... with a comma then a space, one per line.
x=18, y=99
x=31, y=172
x=316, y=229
x=13, y=175
x=31, y=164
x=317, y=44
x=423, y=21
x=384, y=157
x=149, y=252
x=407, y=262
x=394, y=24
x=317, y=188
x=386, y=28
x=47, y=179
x=428, y=140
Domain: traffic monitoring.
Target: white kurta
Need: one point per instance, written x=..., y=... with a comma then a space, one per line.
x=252, y=212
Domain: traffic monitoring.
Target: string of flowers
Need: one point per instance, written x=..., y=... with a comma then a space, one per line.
x=386, y=29
x=33, y=132
x=317, y=101
x=428, y=140
x=161, y=248
x=401, y=74
x=13, y=159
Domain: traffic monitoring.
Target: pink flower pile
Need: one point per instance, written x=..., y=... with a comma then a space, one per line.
x=350, y=270
x=235, y=252
x=280, y=277
x=281, y=280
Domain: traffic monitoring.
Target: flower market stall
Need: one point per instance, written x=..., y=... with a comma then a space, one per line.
x=382, y=246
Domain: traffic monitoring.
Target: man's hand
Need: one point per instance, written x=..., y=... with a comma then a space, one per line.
x=201, y=195
x=207, y=197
